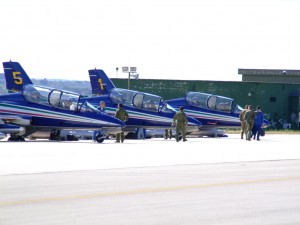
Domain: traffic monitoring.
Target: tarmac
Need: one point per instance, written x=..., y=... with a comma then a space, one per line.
x=43, y=156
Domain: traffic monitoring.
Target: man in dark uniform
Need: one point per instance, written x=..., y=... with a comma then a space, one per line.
x=180, y=121
x=243, y=123
x=121, y=114
x=259, y=120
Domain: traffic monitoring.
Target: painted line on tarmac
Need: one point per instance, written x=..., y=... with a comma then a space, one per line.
x=141, y=191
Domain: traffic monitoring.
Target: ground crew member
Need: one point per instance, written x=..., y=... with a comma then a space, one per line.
x=180, y=121
x=121, y=114
x=168, y=133
x=243, y=123
x=259, y=120
x=249, y=118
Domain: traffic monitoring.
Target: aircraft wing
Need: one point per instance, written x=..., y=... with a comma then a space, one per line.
x=15, y=120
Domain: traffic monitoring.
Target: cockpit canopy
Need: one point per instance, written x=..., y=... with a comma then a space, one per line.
x=56, y=98
x=135, y=98
x=139, y=100
x=212, y=102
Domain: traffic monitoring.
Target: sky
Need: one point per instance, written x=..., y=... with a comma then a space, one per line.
x=163, y=39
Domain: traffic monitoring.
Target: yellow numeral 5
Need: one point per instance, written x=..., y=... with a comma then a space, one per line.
x=17, y=79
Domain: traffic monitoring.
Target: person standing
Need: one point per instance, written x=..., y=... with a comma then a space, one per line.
x=259, y=120
x=180, y=121
x=243, y=122
x=168, y=134
x=249, y=119
x=121, y=114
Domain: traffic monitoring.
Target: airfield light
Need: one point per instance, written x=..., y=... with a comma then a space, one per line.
x=132, y=69
x=131, y=73
x=117, y=69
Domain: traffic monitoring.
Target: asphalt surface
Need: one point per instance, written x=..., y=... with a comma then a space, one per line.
x=156, y=181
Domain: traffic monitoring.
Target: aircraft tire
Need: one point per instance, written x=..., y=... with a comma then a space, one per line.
x=21, y=139
x=100, y=138
x=16, y=138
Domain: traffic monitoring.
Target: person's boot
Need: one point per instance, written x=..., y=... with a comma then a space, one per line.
x=249, y=136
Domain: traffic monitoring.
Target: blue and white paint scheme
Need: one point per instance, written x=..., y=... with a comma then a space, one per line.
x=42, y=108
x=213, y=111
x=145, y=110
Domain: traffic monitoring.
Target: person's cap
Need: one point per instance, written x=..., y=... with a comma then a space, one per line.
x=102, y=102
x=181, y=108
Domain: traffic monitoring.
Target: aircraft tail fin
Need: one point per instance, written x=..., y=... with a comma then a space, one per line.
x=15, y=76
x=100, y=83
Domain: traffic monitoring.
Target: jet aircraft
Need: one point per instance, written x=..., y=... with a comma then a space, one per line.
x=213, y=111
x=42, y=108
x=16, y=79
x=145, y=110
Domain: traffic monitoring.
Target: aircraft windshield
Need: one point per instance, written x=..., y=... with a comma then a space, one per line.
x=63, y=100
x=49, y=96
x=237, y=109
x=167, y=108
x=137, y=99
x=213, y=102
x=118, y=95
x=220, y=103
x=36, y=94
x=87, y=107
x=147, y=101
x=197, y=99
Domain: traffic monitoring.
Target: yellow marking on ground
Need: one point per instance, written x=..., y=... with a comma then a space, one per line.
x=141, y=191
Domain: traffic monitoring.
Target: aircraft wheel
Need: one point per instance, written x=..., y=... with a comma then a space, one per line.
x=11, y=139
x=16, y=138
x=21, y=139
x=130, y=135
x=100, y=138
x=55, y=135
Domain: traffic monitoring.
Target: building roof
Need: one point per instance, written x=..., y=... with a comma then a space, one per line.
x=270, y=75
